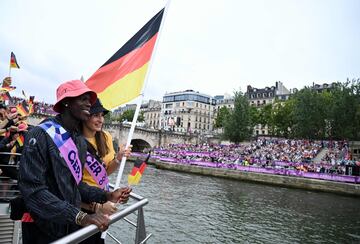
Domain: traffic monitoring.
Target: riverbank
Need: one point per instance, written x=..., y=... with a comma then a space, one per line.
x=262, y=178
x=279, y=180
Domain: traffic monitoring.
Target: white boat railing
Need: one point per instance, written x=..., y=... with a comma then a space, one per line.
x=140, y=235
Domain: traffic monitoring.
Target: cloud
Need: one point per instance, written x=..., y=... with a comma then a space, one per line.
x=211, y=46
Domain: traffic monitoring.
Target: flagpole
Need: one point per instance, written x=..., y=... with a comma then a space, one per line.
x=138, y=105
x=140, y=98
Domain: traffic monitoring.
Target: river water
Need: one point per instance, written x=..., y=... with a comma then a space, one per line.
x=188, y=208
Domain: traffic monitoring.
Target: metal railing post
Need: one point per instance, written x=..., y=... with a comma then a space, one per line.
x=140, y=227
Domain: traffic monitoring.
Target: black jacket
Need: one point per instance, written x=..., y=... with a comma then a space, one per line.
x=49, y=190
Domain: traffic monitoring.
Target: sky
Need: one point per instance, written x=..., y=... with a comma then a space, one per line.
x=211, y=46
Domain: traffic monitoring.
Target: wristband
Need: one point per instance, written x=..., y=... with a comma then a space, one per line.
x=79, y=217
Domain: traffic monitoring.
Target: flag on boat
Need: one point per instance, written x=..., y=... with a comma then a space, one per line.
x=13, y=62
x=137, y=171
x=121, y=78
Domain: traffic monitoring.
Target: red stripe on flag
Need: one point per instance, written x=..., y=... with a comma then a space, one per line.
x=134, y=171
x=111, y=73
x=142, y=167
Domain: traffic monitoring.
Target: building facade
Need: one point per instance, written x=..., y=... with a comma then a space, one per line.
x=152, y=111
x=187, y=111
x=263, y=96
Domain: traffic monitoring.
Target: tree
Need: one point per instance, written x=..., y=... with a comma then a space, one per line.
x=128, y=115
x=254, y=116
x=221, y=117
x=345, y=111
x=238, y=127
x=107, y=117
x=266, y=117
x=283, y=118
x=309, y=115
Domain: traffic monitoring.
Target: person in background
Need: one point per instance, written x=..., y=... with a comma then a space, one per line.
x=8, y=119
x=101, y=148
x=51, y=169
x=12, y=144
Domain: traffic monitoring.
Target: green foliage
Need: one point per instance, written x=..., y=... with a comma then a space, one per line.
x=344, y=116
x=283, y=118
x=221, y=117
x=309, y=114
x=266, y=117
x=238, y=127
x=128, y=115
x=331, y=114
x=255, y=116
x=107, y=118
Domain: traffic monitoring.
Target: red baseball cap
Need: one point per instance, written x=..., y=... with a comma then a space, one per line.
x=73, y=88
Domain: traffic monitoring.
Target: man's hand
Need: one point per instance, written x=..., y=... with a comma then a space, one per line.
x=106, y=208
x=120, y=195
x=100, y=220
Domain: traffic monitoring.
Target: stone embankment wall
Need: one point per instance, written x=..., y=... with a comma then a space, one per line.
x=286, y=181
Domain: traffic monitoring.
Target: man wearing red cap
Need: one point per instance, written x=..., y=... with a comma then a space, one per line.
x=51, y=170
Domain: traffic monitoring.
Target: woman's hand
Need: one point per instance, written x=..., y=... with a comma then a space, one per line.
x=123, y=152
x=120, y=195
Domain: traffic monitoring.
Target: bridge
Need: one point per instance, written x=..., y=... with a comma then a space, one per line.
x=143, y=137
x=148, y=138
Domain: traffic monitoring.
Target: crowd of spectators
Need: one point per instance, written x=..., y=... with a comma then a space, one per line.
x=274, y=153
x=267, y=153
x=40, y=108
x=13, y=128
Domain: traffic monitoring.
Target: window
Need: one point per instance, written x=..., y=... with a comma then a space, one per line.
x=168, y=99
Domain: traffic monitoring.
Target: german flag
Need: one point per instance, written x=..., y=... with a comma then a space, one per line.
x=20, y=140
x=31, y=104
x=13, y=62
x=137, y=171
x=5, y=96
x=121, y=78
x=22, y=108
x=4, y=93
